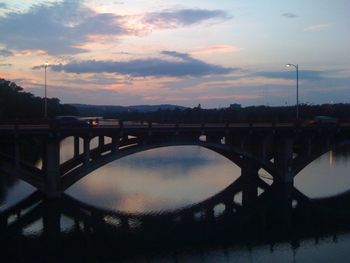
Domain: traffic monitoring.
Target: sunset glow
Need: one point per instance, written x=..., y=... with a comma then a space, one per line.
x=179, y=52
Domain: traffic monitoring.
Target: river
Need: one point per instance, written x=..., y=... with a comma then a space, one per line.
x=170, y=178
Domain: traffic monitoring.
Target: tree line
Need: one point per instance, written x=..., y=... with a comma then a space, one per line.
x=15, y=103
x=235, y=114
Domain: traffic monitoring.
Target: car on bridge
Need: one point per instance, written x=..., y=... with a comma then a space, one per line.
x=322, y=120
x=70, y=122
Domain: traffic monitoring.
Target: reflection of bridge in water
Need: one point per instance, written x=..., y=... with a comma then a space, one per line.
x=266, y=220
x=220, y=205
x=282, y=149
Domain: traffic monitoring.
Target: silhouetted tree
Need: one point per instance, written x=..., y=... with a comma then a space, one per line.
x=15, y=103
x=252, y=113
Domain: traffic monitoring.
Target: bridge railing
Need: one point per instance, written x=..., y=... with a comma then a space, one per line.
x=24, y=124
x=119, y=124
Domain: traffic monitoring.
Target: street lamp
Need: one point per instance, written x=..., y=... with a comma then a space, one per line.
x=45, y=99
x=297, y=70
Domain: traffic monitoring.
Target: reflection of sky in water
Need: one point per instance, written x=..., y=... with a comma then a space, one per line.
x=326, y=176
x=159, y=179
x=17, y=193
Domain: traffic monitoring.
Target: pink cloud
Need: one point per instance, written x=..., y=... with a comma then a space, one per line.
x=221, y=48
x=225, y=97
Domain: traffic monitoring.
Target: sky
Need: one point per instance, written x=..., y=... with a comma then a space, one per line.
x=184, y=52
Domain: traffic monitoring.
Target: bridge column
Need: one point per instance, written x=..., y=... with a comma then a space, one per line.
x=52, y=229
x=86, y=150
x=17, y=153
x=101, y=141
x=124, y=137
x=249, y=174
x=51, y=166
x=309, y=146
x=265, y=147
x=229, y=207
x=76, y=146
x=283, y=160
x=244, y=142
x=115, y=143
x=149, y=133
x=283, y=183
x=228, y=138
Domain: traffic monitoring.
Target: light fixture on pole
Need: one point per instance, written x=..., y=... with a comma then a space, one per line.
x=45, y=99
x=297, y=106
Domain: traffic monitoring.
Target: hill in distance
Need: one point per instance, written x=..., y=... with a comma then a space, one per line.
x=99, y=110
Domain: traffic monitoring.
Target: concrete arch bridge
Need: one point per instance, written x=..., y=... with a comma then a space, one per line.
x=282, y=149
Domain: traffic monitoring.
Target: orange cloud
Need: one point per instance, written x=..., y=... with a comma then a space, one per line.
x=115, y=86
x=31, y=52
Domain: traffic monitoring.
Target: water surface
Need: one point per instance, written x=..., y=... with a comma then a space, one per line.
x=170, y=178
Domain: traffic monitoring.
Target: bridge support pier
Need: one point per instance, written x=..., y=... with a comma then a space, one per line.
x=76, y=146
x=17, y=153
x=51, y=167
x=228, y=138
x=86, y=150
x=249, y=174
x=265, y=148
x=284, y=181
x=228, y=207
x=52, y=229
x=101, y=141
x=115, y=143
x=283, y=160
x=282, y=195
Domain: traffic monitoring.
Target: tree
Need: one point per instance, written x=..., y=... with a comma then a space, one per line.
x=15, y=103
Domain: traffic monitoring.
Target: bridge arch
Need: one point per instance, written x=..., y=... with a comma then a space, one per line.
x=74, y=170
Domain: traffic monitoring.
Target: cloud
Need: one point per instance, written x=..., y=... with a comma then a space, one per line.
x=215, y=49
x=5, y=53
x=174, y=64
x=288, y=74
x=179, y=55
x=3, y=6
x=88, y=96
x=64, y=27
x=318, y=27
x=289, y=15
x=183, y=17
x=57, y=28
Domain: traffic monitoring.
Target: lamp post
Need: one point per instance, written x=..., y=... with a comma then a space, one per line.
x=297, y=106
x=45, y=99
